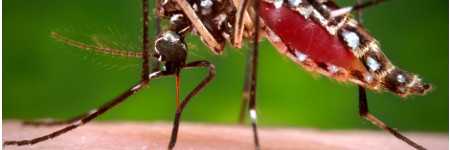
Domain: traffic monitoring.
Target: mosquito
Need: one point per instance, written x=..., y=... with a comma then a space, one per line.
x=318, y=35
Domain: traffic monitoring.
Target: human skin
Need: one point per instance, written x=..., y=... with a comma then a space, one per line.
x=143, y=136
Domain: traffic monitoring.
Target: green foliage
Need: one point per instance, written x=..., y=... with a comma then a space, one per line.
x=44, y=78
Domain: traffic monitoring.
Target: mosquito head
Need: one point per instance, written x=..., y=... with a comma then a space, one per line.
x=170, y=50
x=404, y=83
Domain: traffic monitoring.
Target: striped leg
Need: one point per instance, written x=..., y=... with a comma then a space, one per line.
x=253, y=73
x=249, y=90
x=89, y=117
x=198, y=88
x=364, y=112
x=55, y=122
x=82, y=119
x=111, y=51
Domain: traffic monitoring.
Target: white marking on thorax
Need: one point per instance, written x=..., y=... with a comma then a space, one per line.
x=195, y=7
x=171, y=37
x=220, y=19
x=175, y=17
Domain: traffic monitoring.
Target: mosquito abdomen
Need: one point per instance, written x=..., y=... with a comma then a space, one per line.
x=337, y=47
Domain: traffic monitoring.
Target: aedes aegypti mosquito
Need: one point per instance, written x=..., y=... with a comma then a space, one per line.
x=316, y=34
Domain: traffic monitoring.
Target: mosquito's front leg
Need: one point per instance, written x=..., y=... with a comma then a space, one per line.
x=90, y=116
x=110, y=51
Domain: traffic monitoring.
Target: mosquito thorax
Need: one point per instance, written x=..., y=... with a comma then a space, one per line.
x=218, y=17
x=170, y=50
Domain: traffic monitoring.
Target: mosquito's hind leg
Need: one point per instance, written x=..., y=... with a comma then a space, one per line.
x=364, y=112
x=358, y=7
x=195, y=91
x=359, y=13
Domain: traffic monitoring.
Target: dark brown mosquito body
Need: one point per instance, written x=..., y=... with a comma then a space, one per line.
x=354, y=56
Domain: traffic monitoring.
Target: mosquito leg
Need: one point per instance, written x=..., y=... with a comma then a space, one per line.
x=54, y=122
x=102, y=109
x=364, y=112
x=242, y=19
x=358, y=7
x=144, y=56
x=198, y=88
x=369, y=3
x=252, y=74
x=145, y=42
x=359, y=13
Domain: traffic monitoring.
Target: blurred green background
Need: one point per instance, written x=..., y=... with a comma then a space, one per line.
x=43, y=78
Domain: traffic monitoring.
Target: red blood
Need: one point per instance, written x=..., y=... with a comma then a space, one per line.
x=308, y=37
